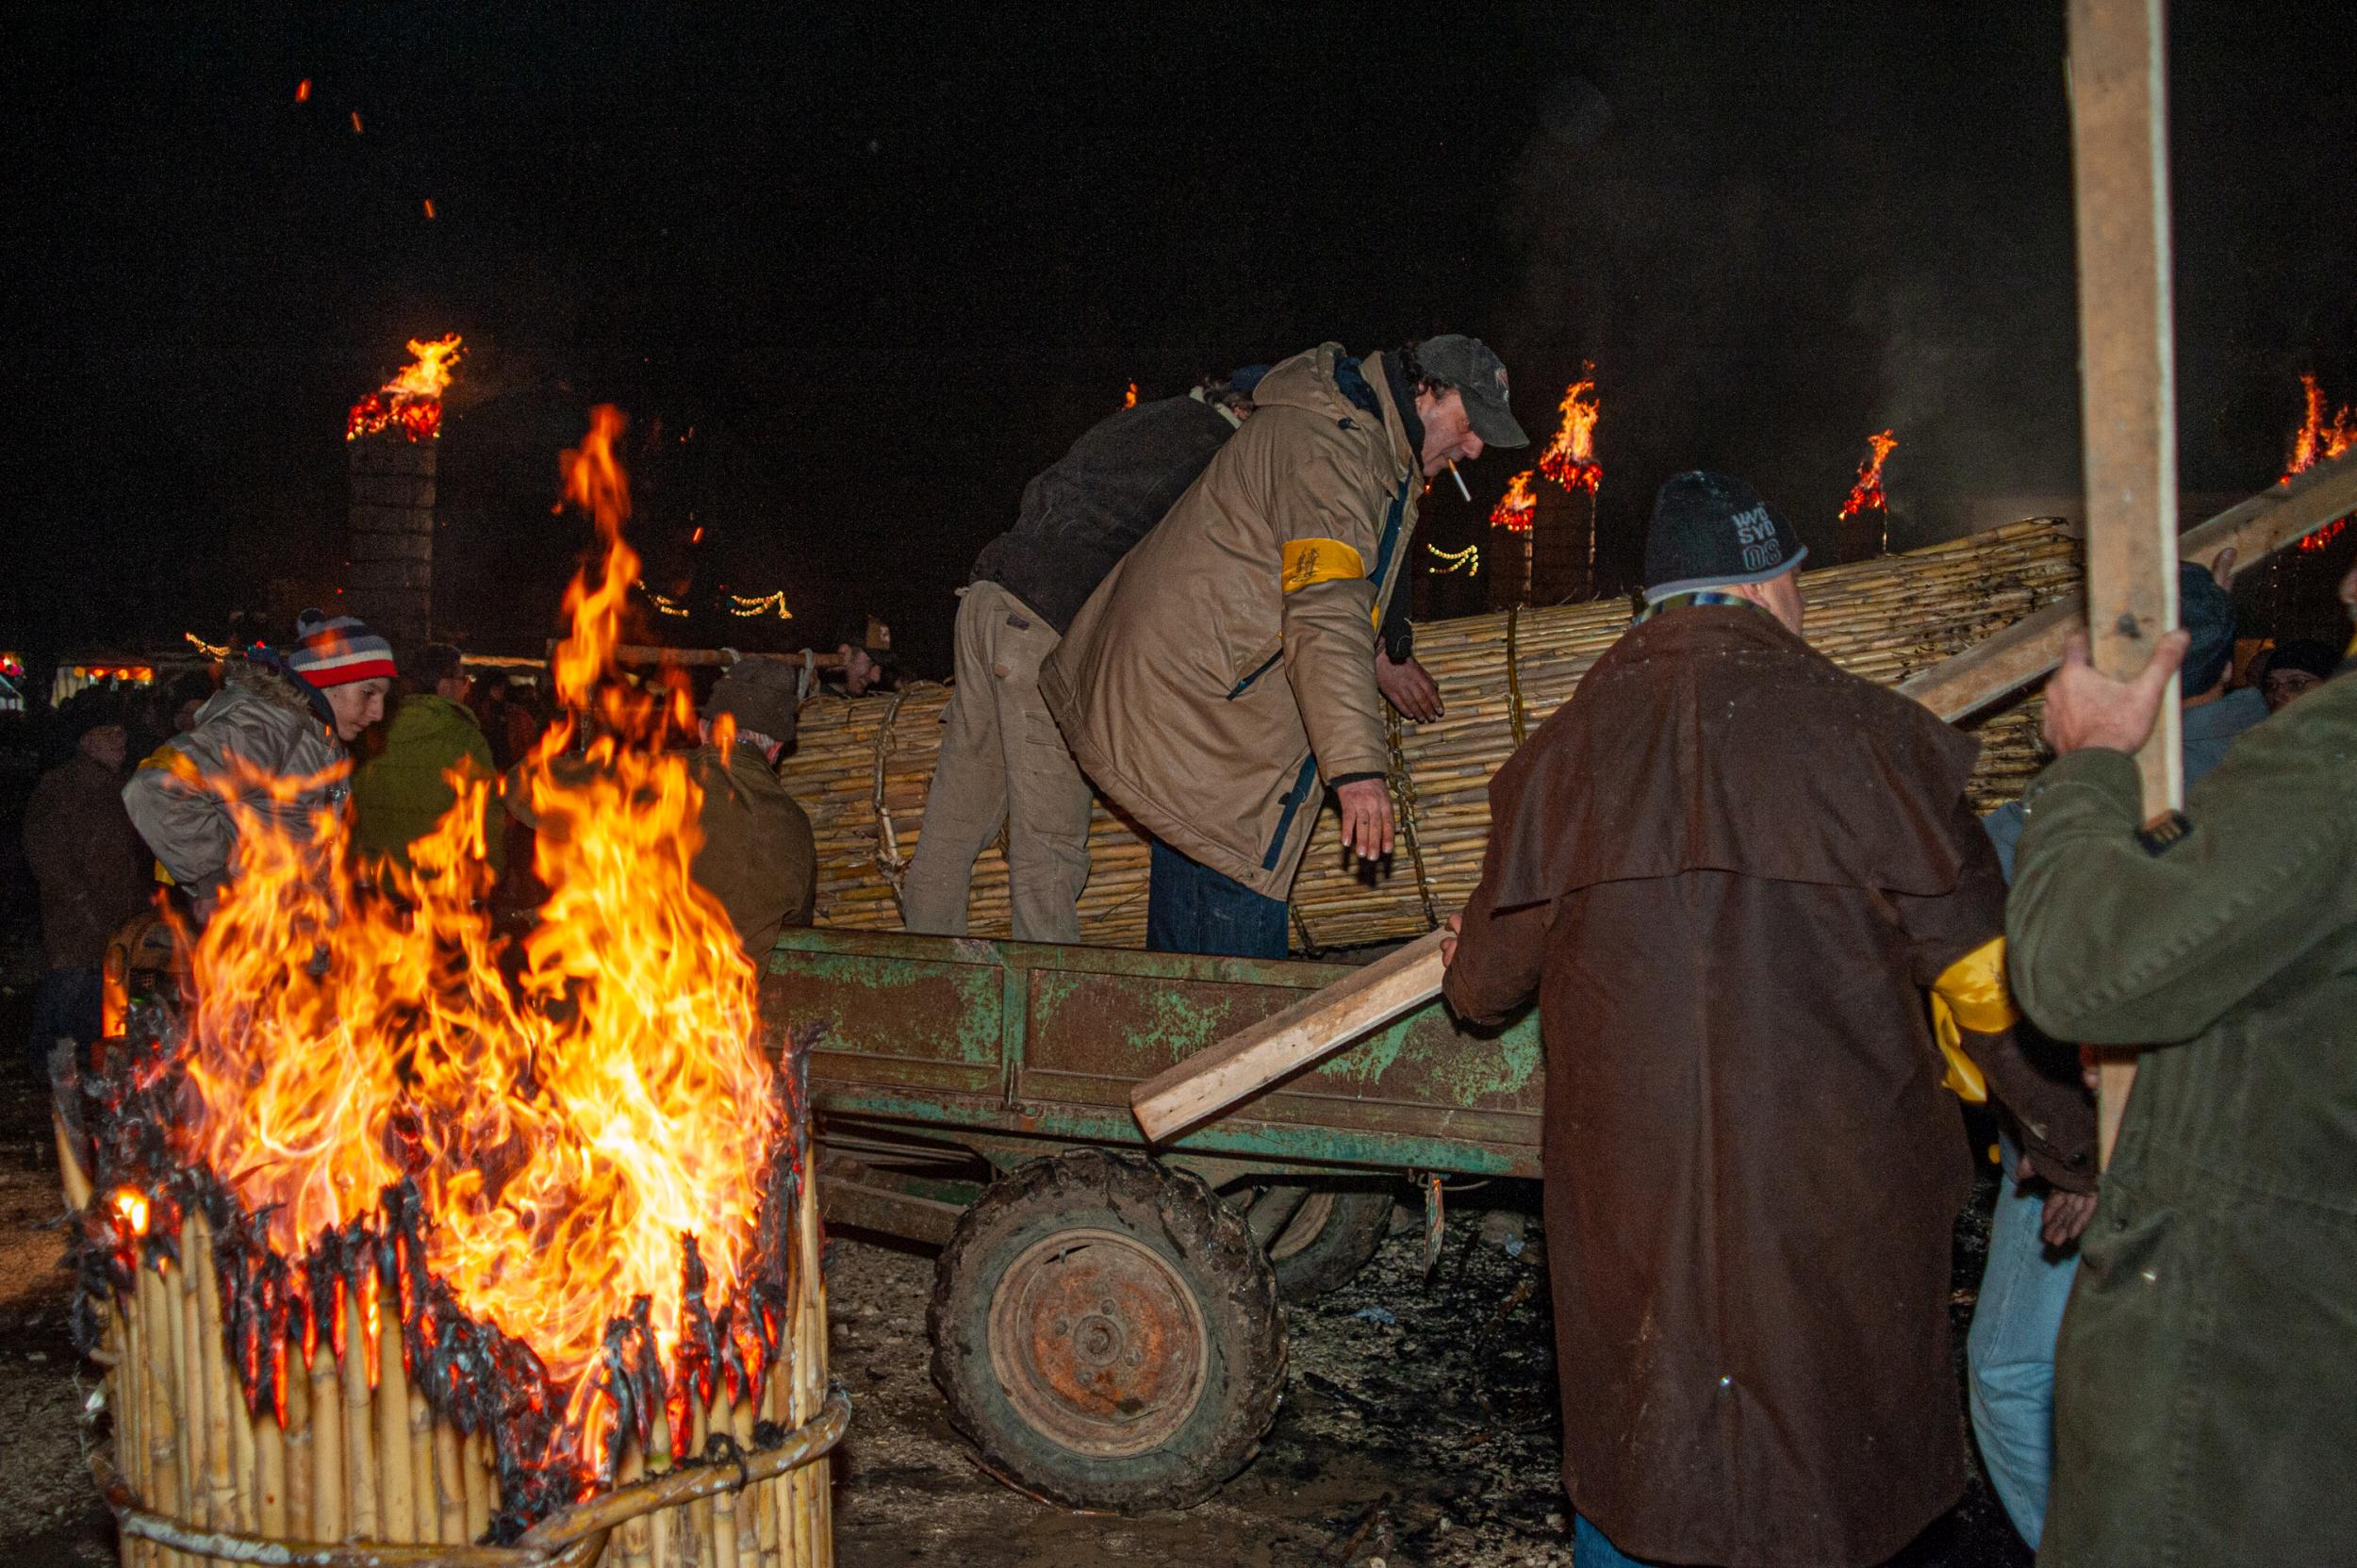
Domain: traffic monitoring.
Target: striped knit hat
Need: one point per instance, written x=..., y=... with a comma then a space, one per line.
x=334, y=651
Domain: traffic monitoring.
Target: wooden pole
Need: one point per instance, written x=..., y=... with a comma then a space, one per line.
x=360, y=1516
x=324, y=1411
x=1251, y=1059
x=2278, y=516
x=2119, y=145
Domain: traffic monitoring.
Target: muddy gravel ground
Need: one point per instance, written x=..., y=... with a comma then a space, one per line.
x=1419, y=1424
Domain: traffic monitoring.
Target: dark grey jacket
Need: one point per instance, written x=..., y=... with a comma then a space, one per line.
x=1083, y=514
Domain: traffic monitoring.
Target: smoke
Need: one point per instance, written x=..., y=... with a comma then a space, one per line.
x=1768, y=253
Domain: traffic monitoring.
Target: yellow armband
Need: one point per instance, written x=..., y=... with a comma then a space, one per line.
x=1970, y=994
x=1308, y=561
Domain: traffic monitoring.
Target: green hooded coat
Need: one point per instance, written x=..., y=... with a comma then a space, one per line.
x=2203, y=1411
x=399, y=794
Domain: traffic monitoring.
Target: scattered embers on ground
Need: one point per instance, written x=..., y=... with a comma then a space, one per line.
x=1419, y=1424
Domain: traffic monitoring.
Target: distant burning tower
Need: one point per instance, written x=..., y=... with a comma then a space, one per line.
x=1563, y=547
x=392, y=435
x=1865, y=531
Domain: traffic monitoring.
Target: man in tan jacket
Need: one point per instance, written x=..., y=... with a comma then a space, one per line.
x=1227, y=666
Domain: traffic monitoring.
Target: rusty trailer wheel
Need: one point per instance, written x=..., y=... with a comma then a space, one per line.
x=1106, y=1333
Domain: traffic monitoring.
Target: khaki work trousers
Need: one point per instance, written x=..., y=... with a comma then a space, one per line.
x=1003, y=763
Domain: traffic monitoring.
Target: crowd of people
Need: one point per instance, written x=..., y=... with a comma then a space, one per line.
x=1769, y=942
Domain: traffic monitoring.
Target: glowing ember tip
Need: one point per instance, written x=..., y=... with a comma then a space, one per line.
x=303, y=91
x=1130, y=399
x=130, y=1204
x=1866, y=494
x=1514, y=508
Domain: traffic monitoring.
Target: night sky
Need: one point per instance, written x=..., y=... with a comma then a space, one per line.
x=857, y=271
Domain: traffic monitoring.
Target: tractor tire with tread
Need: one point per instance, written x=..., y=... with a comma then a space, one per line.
x=1105, y=1331
x=1328, y=1240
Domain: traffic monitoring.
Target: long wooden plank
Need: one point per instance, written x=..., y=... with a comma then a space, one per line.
x=2119, y=146
x=1249, y=1060
x=2028, y=649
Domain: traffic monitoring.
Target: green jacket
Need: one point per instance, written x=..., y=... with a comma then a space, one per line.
x=757, y=857
x=2204, y=1411
x=399, y=794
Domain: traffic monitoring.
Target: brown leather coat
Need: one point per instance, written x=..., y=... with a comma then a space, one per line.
x=1729, y=869
x=1227, y=664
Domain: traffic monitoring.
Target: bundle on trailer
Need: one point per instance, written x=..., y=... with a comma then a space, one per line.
x=863, y=767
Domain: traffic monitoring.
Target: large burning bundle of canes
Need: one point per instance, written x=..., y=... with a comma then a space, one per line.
x=862, y=767
x=403, y=1231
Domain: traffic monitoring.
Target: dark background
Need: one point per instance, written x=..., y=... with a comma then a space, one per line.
x=857, y=271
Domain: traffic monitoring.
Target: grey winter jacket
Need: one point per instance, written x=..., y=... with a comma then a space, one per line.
x=259, y=743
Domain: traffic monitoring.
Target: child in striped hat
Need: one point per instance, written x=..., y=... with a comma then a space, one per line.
x=270, y=747
x=347, y=663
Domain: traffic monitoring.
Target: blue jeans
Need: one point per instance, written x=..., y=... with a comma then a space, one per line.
x=2011, y=1351
x=67, y=1002
x=1589, y=1549
x=1190, y=908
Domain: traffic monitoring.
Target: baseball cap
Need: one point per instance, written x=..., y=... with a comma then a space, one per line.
x=1467, y=364
x=1712, y=531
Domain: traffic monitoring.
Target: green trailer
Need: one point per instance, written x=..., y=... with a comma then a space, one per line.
x=1105, y=1320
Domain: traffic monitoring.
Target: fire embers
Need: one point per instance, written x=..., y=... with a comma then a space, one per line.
x=360, y=1308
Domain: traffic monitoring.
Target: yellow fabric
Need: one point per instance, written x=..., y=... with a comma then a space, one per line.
x=1975, y=987
x=178, y=763
x=1962, y=1075
x=1308, y=561
x=1970, y=994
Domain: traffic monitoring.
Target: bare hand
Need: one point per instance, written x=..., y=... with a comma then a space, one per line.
x=2086, y=709
x=1409, y=688
x=1448, y=943
x=2065, y=1217
x=1366, y=805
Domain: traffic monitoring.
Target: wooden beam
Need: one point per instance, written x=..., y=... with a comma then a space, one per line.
x=643, y=653
x=1194, y=1091
x=2119, y=165
x=2278, y=516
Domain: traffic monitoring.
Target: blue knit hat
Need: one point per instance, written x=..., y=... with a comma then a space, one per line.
x=335, y=650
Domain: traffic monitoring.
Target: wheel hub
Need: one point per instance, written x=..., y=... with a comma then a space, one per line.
x=1097, y=1343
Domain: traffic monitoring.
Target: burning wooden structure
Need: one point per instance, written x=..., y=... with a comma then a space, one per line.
x=399, y=1228
x=391, y=436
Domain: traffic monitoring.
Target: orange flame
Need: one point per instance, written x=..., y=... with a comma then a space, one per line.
x=1130, y=399
x=1570, y=458
x=303, y=91
x=1514, y=508
x=411, y=402
x=1866, y=494
x=566, y=1131
x=2314, y=443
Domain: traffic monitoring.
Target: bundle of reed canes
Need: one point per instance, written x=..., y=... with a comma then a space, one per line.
x=361, y=1471
x=864, y=765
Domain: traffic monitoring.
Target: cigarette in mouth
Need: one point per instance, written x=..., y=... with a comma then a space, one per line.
x=1460, y=480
